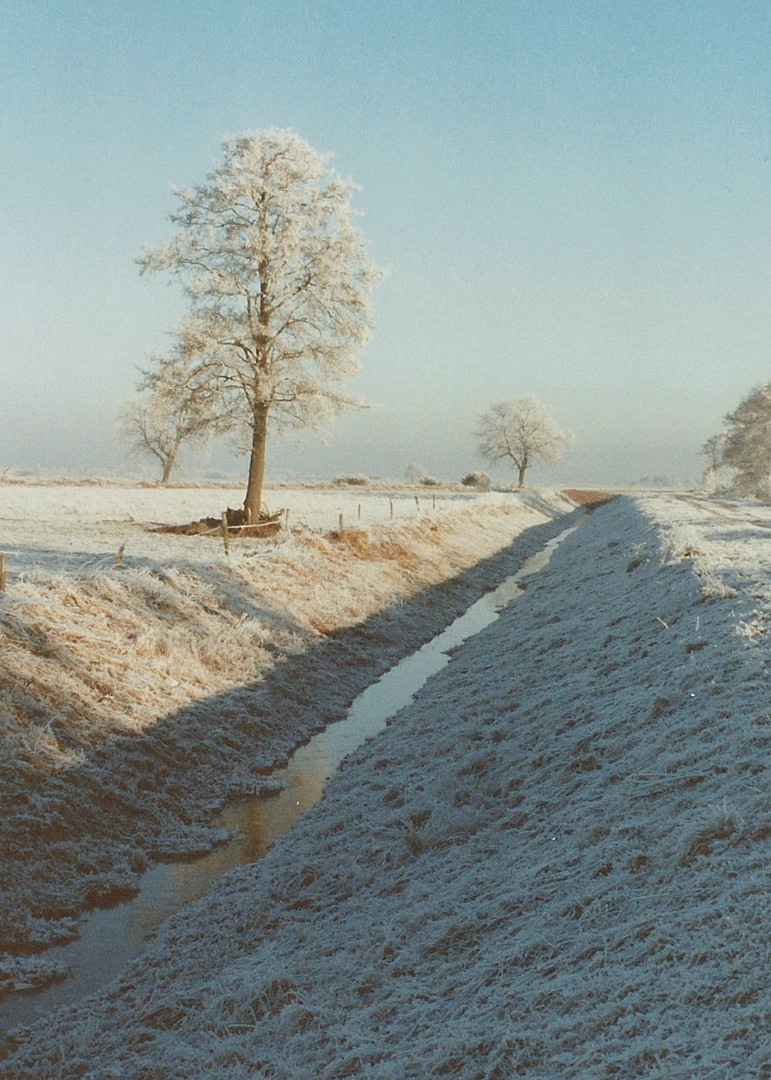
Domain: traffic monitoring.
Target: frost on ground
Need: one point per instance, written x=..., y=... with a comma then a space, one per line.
x=134, y=700
x=554, y=863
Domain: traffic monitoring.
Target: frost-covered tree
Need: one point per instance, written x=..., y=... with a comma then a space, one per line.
x=277, y=277
x=415, y=474
x=747, y=445
x=171, y=409
x=713, y=450
x=519, y=433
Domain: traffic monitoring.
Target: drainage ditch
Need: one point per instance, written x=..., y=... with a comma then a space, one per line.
x=110, y=938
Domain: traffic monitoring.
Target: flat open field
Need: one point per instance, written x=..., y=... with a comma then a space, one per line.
x=61, y=528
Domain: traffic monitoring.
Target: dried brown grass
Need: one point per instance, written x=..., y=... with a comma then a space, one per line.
x=86, y=656
x=588, y=497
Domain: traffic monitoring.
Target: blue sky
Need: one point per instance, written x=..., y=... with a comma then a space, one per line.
x=572, y=200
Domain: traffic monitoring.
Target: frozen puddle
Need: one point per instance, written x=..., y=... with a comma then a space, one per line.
x=110, y=938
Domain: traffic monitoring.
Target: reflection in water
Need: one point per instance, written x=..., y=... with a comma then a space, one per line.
x=110, y=938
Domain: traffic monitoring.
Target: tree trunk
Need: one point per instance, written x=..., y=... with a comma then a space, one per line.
x=168, y=457
x=168, y=465
x=253, y=500
x=522, y=470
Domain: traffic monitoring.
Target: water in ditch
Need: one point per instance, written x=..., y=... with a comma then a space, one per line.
x=109, y=938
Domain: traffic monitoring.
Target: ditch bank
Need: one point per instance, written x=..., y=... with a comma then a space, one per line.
x=98, y=778
x=554, y=862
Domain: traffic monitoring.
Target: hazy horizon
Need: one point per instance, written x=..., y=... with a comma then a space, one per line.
x=571, y=200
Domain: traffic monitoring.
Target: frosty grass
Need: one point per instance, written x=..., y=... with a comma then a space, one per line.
x=136, y=699
x=554, y=863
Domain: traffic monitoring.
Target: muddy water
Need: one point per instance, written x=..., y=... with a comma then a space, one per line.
x=110, y=938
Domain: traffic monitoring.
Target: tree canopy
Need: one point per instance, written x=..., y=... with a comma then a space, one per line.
x=519, y=432
x=171, y=410
x=747, y=442
x=277, y=277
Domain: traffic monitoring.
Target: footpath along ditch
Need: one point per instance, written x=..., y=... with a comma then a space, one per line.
x=553, y=863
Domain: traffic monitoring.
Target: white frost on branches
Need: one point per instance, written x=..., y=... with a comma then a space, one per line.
x=713, y=450
x=277, y=277
x=173, y=408
x=747, y=443
x=519, y=432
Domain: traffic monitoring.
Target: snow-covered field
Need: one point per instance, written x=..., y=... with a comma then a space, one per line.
x=554, y=863
x=70, y=528
x=135, y=699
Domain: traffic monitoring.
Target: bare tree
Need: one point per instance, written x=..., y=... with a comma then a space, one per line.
x=713, y=450
x=747, y=447
x=277, y=278
x=520, y=433
x=172, y=409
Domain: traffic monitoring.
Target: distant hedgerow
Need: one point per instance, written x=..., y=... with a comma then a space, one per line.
x=351, y=481
x=476, y=480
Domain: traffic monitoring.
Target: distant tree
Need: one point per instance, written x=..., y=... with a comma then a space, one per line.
x=277, y=277
x=713, y=450
x=520, y=433
x=747, y=445
x=171, y=410
x=147, y=432
x=415, y=473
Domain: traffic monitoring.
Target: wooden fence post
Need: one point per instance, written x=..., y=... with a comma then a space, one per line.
x=286, y=520
x=2, y=573
x=119, y=557
x=391, y=503
x=340, y=524
x=225, y=533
